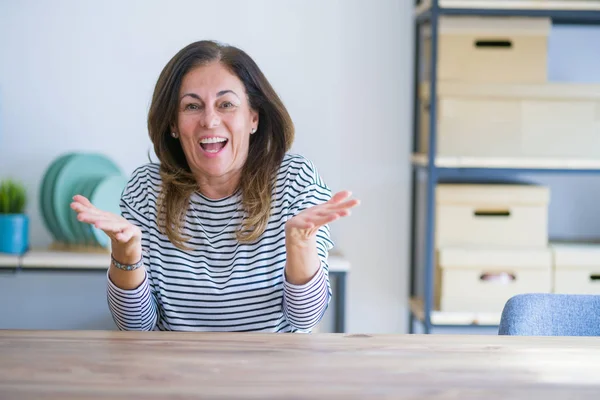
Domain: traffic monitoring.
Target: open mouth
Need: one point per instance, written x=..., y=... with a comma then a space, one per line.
x=213, y=145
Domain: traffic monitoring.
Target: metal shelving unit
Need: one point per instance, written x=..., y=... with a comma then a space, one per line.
x=430, y=170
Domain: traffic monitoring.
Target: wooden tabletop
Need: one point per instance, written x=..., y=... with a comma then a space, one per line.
x=165, y=365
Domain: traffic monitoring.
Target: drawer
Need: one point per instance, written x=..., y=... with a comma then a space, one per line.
x=490, y=49
x=478, y=279
x=576, y=268
x=491, y=215
x=514, y=121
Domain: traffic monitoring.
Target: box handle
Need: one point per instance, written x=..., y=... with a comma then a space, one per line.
x=492, y=213
x=498, y=277
x=595, y=277
x=493, y=44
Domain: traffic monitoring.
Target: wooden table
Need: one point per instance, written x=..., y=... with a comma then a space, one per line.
x=170, y=365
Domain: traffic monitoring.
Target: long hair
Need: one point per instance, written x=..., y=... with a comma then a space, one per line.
x=268, y=144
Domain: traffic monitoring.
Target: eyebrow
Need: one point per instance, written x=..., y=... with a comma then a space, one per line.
x=223, y=92
x=219, y=94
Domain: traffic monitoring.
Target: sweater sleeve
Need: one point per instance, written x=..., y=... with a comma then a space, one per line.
x=135, y=309
x=304, y=305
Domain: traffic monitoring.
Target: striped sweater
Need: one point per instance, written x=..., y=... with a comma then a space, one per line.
x=222, y=284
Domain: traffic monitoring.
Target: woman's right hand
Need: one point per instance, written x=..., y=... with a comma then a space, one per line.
x=126, y=237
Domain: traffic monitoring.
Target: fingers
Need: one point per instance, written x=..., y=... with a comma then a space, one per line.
x=344, y=213
x=314, y=220
x=325, y=219
x=317, y=216
x=111, y=225
x=347, y=205
x=339, y=197
x=91, y=217
x=342, y=209
x=81, y=202
x=300, y=223
x=79, y=207
x=83, y=206
x=339, y=201
x=82, y=199
x=325, y=213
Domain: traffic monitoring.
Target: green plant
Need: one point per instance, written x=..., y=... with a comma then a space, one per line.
x=13, y=197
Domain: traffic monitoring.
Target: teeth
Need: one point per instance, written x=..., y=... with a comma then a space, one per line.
x=213, y=140
x=211, y=151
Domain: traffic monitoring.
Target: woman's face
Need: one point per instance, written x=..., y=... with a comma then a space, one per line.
x=214, y=121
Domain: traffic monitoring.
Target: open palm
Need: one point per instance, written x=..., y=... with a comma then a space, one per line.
x=118, y=229
x=305, y=224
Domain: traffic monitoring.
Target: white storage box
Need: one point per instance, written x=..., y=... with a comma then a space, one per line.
x=476, y=279
x=491, y=215
x=576, y=268
x=557, y=121
x=490, y=49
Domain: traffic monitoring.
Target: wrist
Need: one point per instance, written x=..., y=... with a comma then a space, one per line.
x=302, y=263
x=293, y=243
x=299, y=239
x=126, y=253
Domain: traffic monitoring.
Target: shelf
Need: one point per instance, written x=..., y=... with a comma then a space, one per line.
x=561, y=11
x=51, y=259
x=9, y=260
x=546, y=5
x=441, y=318
x=448, y=165
x=429, y=15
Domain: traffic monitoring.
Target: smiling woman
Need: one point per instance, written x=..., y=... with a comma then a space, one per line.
x=216, y=152
x=229, y=231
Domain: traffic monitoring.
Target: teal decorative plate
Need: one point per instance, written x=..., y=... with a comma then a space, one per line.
x=77, y=168
x=83, y=230
x=46, y=197
x=106, y=196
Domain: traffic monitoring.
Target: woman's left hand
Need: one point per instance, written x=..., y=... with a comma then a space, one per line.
x=302, y=227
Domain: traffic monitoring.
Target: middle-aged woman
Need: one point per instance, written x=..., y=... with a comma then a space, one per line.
x=229, y=231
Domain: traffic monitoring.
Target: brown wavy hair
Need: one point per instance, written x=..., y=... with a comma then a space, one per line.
x=268, y=144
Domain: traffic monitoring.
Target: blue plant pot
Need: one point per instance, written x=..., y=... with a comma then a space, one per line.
x=14, y=233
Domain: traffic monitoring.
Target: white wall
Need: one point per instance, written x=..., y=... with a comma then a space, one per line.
x=78, y=75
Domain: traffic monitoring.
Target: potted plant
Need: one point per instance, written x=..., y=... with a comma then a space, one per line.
x=14, y=224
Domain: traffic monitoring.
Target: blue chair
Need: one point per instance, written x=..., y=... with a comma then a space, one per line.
x=551, y=315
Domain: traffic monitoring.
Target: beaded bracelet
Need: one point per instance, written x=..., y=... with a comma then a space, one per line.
x=127, y=267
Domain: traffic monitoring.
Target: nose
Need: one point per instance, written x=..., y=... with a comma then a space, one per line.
x=210, y=119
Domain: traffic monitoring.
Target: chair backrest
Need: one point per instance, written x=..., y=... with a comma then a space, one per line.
x=551, y=315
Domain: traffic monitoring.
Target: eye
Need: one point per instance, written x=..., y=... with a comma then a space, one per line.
x=227, y=104
x=192, y=107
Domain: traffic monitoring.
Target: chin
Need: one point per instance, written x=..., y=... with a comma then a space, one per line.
x=213, y=168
